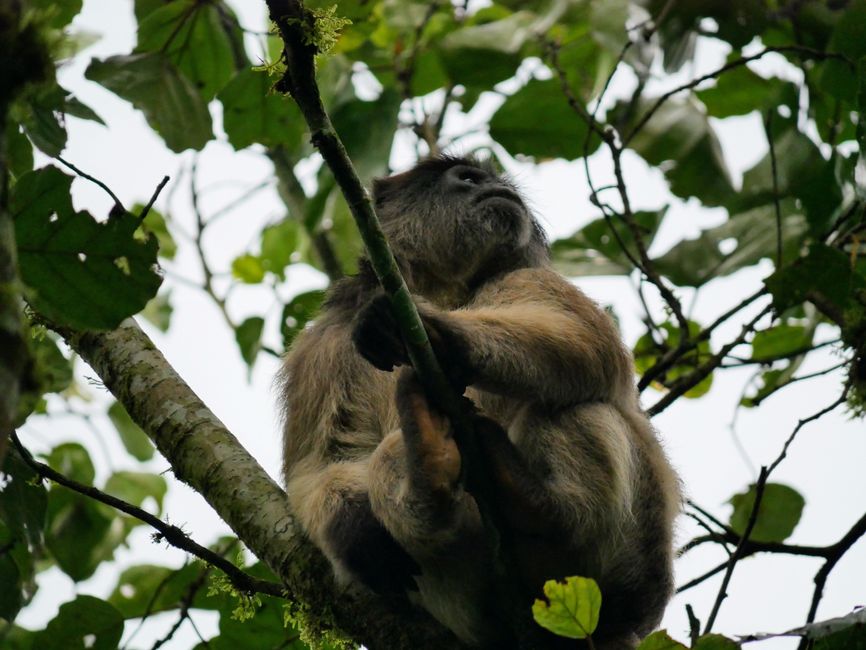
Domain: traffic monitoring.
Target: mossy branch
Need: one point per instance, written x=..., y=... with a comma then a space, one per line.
x=296, y=24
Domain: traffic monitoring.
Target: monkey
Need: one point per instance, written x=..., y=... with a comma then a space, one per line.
x=371, y=463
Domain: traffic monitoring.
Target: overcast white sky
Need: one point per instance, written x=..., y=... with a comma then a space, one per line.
x=825, y=463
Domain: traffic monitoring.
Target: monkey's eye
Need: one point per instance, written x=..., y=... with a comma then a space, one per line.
x=467, y=177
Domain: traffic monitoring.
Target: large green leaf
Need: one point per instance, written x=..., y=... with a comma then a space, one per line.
x=537, y=121
x=780, y=340
x=285, y=243
x=23, y=500
x=253, y=113
x=573, y=609
x=740, y=91
x=72, y=460
x=136, y=487
x=801, y=172
x=481, y=55
x=839, y=78
x=198, y=37
x=80, y=533
x=50, y=372
x=778, y=515
x=824, y=271
x=680, y=138
x=367, y=130
x=693, y=262
x=86, y=622
x=59, y=14
x=595, y=250
x=79, y=272
x=170, y=102
x=147, y=588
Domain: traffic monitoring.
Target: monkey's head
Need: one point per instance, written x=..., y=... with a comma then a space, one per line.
x=454, y=223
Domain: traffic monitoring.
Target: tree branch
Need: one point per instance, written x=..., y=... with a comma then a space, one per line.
x=207, y=457
x=241, y=580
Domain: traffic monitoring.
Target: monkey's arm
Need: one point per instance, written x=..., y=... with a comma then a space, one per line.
x=529, y=334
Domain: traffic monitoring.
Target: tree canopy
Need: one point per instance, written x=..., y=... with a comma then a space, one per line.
x=329, y=96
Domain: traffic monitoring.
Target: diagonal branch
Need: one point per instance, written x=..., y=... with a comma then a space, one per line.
x=207, y=457
x=241, y=580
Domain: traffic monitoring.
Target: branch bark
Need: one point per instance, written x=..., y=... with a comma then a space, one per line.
x=207, y=457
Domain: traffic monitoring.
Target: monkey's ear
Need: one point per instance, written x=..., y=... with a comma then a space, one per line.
x=382, y=188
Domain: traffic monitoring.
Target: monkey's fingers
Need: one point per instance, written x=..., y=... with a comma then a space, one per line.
x=376, y=336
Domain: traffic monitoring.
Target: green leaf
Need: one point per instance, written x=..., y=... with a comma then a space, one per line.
x=86, y=622
x=60, y=14
x=715, y=642
x=560, y=134
x=158, y=311
x=11, y=596
x=197, y=37
x=253, y=113
x=573, y=609
x=50, y=372
x=852, y=638
x=248, y=268
x=648, y=352
x=660, y=640
x=134, y=440
x=594, y=250
x=23, y=501
x=753, y=233
x=285, y=243
x=171, y=104
x=801, y=172
x=78, y=272
x=249, y=338
x=680, y=138
x=156, y=224
x=480, y=56
x=740, y=92
x=301, y=310
x=778, y=515
x=839, y=78
x=135, y=487
x=824, y=270
x=19, y=151
x=81, y=533
x=780, y=340
x=72, y=460
x=860, y=167
x=147, y=588
x=367, y=130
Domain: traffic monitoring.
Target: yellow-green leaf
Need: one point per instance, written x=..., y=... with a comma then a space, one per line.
x=573, y=608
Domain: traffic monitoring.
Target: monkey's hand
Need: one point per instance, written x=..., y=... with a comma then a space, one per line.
x=377, y=338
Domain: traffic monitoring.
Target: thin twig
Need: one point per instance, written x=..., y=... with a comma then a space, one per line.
x=695, y=377
x=241, y=580
x=153, y=198
x=92, y=179
x=794, y=49
x=768, y=129
x=737, y=555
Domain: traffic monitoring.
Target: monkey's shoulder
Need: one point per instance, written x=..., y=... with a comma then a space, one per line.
x=539, y=284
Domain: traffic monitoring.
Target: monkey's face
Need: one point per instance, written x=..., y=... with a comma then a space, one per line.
x=457, y=221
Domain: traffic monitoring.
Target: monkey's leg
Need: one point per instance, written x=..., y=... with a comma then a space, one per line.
x=414, y=487
x=334, y=507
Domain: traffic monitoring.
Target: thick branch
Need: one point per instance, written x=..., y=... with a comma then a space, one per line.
x=206, y=456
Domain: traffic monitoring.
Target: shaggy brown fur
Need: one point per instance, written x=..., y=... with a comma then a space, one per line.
x=373, y=472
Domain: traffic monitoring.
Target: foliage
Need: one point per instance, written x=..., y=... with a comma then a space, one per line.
x=538, y=80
